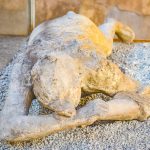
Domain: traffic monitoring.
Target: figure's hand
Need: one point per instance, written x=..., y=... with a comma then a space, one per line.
x=96, y=107
x=63, y=108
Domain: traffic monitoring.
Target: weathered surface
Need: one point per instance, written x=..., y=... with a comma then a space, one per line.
x=83, y=68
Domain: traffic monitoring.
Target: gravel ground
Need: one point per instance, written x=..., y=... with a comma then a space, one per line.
x=134, y=60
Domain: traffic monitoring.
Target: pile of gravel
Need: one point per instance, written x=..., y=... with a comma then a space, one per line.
x=134, y=60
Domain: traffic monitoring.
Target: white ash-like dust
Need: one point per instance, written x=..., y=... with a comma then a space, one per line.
x=134, y=60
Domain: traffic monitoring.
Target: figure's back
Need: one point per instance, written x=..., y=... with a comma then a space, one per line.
x=71, y=29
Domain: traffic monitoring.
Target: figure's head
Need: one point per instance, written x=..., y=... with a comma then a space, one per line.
x=56, y=83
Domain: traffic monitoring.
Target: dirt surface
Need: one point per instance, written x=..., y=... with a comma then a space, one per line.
x=9, y=45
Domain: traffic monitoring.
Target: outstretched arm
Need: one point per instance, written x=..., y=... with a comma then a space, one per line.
x=124, y=106
x=20, y=93
x=20, y=128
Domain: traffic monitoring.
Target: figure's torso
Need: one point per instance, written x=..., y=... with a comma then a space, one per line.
x=72, y=34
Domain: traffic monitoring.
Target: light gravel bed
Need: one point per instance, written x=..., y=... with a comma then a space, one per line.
x=134, y=60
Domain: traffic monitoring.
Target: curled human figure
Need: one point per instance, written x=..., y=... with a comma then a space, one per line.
x=66, y=58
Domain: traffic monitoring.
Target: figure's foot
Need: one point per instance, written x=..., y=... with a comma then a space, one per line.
x=112, y=27
x=125, y=33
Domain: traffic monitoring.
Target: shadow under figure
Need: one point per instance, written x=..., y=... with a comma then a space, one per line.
x=67, y=57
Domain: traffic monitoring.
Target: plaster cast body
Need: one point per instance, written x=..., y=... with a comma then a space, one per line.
x=65, y=58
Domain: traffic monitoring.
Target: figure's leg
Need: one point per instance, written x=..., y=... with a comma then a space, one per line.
x=112, y=27
x=57, y=83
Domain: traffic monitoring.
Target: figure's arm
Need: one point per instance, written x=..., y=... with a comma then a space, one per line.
x=122, y=107
x=20, y=93
x=20, y=128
